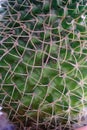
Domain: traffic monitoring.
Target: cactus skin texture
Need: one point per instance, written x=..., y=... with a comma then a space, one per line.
x=43, y=62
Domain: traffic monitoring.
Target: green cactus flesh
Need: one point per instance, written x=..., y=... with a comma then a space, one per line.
x=43, y=60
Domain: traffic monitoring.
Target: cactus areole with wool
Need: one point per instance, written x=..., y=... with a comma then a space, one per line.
x=43, y=62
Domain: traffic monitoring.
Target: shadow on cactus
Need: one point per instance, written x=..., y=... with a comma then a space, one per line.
x=43, y=62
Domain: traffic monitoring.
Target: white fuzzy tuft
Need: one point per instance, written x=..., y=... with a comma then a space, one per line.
x=1, y=113
x=0, y=108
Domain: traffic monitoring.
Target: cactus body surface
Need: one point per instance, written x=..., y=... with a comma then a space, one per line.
x=43, y=62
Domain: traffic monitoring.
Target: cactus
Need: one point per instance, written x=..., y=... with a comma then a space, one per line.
x=43, y=62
